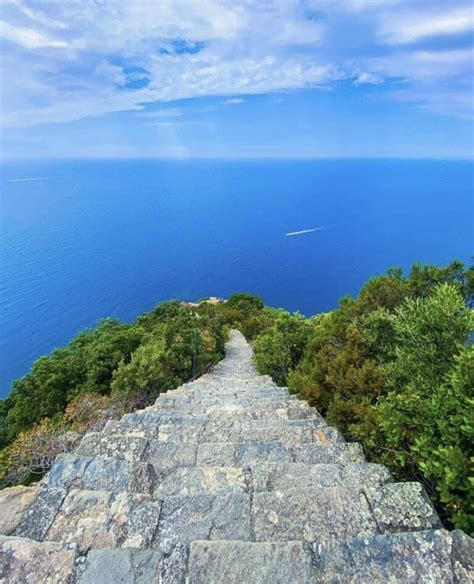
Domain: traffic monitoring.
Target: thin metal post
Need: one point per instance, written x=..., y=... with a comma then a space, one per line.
x=195, y=338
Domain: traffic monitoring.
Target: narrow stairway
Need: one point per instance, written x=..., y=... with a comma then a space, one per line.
x=228, y=479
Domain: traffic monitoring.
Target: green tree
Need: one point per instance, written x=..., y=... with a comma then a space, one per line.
x=278, y=350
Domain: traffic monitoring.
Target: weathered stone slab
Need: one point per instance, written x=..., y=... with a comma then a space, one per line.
x=102, y=474
x=14, y=502
x=119, y=428
x=99, y=519
x=242, y=562
x=130, y=448
x=187, y=519
x=423, y=557
x=241, y=454
x=462, y=556
x=158, y=418
x=41, y=513
x=328, y=435
x=402, y=507
x=321, y=453
x=240, y=431
x=24, y=560
x=284, y=435
x=203, y=480
x=111, y=566
x=282, y=476
x=181, y=432
x=311, y=514
x=167, y=456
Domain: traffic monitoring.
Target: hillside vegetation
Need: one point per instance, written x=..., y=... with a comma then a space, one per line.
x=392, y=368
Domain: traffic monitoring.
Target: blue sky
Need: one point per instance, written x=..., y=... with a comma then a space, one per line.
x=252, y=78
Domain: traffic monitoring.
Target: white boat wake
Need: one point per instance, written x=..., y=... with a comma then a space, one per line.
x=33, y=178
x=303, y=231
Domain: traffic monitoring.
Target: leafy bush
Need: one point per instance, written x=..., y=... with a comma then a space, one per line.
x=392, y=369
x=137, y=360
x=279, y=349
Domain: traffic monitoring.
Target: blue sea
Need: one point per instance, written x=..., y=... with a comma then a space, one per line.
x=83, y=240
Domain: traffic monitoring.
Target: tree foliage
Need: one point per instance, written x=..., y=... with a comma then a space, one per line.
x=393, y=369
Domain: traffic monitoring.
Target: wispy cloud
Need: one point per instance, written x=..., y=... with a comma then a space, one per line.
x=29, y=38
x=172, y=112
x=63, y=61
x=408, y=26
x=233, y=101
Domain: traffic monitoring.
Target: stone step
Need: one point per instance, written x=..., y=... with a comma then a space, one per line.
x=236, y=562
x=94, y=519
x=129, y=447
x=184, y=519
x=101, y=473
x=312, y=514
x=281, y=476
x=25, y=560
x=341, y=453
x=206, y=479
x=128, y=566
x=402, y=507
x=284, y=431
x=233, y=393
x=190, y=429
x=237, y=410
x=315, y=513
x=424, y=557
x=251, y=453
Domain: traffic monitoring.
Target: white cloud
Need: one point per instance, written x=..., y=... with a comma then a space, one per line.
x=171, y=112
x=28, y=38
x=412, y=26
x=38, y=16
x=69, y=60
x=366, y=78
x=233, y=100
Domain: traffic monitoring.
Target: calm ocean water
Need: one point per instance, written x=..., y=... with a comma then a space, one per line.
x=113, y=238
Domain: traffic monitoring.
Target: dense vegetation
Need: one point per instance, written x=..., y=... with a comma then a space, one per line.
x=392, y=368
x=103, y=373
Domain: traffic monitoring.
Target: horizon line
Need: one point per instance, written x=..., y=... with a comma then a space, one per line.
x=232, y=158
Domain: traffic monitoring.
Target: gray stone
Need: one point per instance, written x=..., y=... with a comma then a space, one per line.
x=130, y=448
x=41, y=513
x=311, y=514
x=423, y=557
x=186, y=519
x=402, y=507
x=241, y=454
x=99, y=519
x=206, y=480
x=115, y=428
x=24, y=560
x=102, y=474
x=181, y=432
x=327, y=453
x=462, y=556
x=167, y=456
x=242, y=562
x=112, y=566
x=281, y=476
x=14, y=502
x=328, y=435
x=288, y=435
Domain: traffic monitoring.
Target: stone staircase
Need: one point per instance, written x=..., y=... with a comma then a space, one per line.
x=227, y=479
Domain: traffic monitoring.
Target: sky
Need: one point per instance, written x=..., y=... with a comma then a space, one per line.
x=236, y=79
